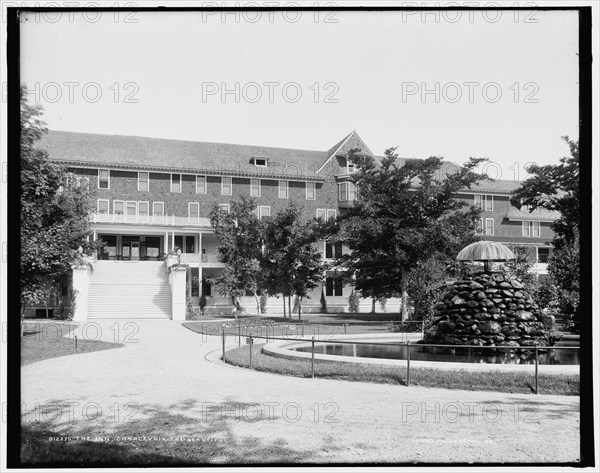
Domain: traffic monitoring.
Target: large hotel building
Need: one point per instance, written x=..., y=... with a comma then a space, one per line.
x=152, y=196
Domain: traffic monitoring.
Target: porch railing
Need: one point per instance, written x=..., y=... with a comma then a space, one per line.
x=163, y=220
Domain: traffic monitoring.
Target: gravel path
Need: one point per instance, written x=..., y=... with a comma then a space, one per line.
x=167, y=375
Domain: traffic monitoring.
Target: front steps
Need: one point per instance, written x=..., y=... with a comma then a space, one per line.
x=129, y=290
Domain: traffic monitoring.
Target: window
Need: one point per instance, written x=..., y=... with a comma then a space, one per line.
x=226, y=186
x=484, y=202
x=158, y=209
x=350, y=168
x=258, y=162
x=543, y=255
x=479, y=226
x=193, y=210
x=264, y=211
x=489, y=226
x=224, y=208
x=333, y=286
x=143, y=181
x=311, y=191
x=346, y=192
x=118, y=207
x=338, y=250
x=254, y=187
x=333, y=250
x=200, y=184
x=131, y=207
x=530, y=228
x=143, y=208
x=529, y=208
x=102, y=206
x=321, y=214
x=331, y=213
x=103, y=179
x=326, y=213
x=284, y=189
x=176, y=183
x=343, y=192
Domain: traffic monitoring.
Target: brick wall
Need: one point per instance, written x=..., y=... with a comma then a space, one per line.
x=124, y=186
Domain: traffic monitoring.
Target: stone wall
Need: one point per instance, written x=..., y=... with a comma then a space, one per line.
x=487, y=309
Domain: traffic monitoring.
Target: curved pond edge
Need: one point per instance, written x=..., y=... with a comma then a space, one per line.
x=281, y=348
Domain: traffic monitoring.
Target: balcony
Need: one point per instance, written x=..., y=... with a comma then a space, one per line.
x=160, y=220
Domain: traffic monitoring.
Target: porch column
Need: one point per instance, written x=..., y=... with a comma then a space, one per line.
x=95, y=235
x=81, y=287
x=200, y=243
x=166, y=243
x=172, y=240
x=177, y=276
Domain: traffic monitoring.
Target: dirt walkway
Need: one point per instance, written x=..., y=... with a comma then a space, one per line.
x=170, y=377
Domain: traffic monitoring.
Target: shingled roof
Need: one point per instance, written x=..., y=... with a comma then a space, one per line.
x=168, y=155
x=118, y=151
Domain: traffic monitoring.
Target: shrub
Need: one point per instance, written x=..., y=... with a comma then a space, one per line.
x=323, y=302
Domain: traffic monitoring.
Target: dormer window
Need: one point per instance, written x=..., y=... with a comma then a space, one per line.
x=261, y=162
x=350, y=167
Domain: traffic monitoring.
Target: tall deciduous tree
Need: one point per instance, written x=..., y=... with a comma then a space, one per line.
x=239, y=235
x=292, y=263
x=54, y=215
x=404, y=212
x=556, y=187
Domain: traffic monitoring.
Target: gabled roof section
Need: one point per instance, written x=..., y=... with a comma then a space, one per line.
x=342, y=148
x=167, y=155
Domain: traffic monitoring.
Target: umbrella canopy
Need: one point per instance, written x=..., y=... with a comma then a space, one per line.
x=486, y=251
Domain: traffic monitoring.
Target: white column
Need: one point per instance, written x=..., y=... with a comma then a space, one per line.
x=177, y=282
x=172, y=240
x=200, y=243
x=81, y=288
x=166, y=243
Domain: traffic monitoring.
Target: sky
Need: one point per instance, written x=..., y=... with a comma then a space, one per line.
x=500, y=85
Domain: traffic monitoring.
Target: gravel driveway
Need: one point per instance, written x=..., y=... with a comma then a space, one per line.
x=169, y=376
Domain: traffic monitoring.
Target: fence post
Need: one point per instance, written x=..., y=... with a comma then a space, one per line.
x=251, y=343
x=75, y=342
x=313, y=358
x=239, y=335
x=346, y=328
x=536, y=369
x=317, y=330
x=303, y=330
x=407, y=362
x=422, y=329
x=223, y=340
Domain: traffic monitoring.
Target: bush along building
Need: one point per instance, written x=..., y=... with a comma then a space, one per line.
x=152, y=197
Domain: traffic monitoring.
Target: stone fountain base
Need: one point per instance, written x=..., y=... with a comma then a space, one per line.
x=488, y=309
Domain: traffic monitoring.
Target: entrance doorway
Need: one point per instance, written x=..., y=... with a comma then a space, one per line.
x=131, y=248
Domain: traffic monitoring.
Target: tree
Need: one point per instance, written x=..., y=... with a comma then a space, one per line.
x=554, y=187
x=292, y=264
x=239, y=236
x=54, y=213
x=403, y=213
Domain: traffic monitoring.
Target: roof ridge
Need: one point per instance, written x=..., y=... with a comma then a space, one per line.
x=182, y=140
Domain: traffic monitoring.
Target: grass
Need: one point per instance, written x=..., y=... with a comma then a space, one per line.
x=499, y=381
x=45, y=341
x=318, y=325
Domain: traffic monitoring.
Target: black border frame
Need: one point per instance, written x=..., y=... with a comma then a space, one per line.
x=13, y=219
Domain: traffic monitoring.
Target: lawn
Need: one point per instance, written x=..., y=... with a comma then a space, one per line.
x=311, y=324
x=500, y=381
x=42, y=341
